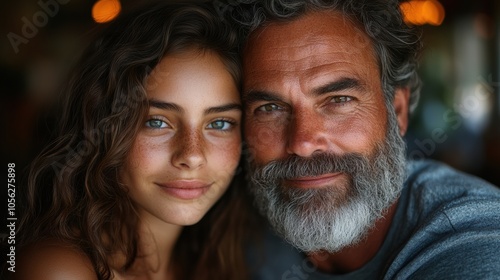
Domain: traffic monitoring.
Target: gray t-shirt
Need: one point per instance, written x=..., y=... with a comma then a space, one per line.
x=447, y=226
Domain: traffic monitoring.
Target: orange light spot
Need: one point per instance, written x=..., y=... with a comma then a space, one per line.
x=105, y=10
x=420, y=12
x=433, y=12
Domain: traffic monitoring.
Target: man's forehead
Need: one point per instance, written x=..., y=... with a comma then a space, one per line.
x=312, y=32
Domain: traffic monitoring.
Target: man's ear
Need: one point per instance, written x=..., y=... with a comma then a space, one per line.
x=401, y=105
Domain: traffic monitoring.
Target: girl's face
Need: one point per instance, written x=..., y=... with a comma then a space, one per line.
x=188, y=147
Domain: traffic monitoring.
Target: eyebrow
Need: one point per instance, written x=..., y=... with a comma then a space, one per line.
x=164, y=105
x=342, y=84
x=253, y=96
x=155, y=103
x=223, y=108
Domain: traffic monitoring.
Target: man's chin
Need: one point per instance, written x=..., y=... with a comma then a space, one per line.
x=315, y=229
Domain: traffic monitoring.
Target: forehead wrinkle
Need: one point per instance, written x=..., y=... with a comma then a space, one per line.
x=277, y=54
x=287, y=74
x=301, y=50
x=324, y=45
x=320, y=38
x=307, y=64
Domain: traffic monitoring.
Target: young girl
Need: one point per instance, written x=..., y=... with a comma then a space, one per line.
x=149, y=140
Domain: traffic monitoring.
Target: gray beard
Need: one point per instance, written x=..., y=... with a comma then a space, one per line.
x=338, y=216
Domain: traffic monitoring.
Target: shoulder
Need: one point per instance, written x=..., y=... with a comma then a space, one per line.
x=53, y=259
x=430, y=172
x=433, y=183
x=448, y=221
x=437, y=196
x=464, y=255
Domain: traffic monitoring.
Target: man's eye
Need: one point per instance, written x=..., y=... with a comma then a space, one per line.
x=268, y=108
x=220, y=125
x=341, y=99
x=156, y=123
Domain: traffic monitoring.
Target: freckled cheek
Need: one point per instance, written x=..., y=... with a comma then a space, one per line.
x=147, y=155
x=224, y=155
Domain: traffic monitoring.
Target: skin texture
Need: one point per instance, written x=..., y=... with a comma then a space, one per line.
x=191, y=138
x=313, y=85
x=180, y=143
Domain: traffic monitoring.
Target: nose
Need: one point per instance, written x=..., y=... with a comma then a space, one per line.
x=188, y=149
x=306, y=134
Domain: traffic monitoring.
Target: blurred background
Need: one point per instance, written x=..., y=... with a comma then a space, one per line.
x=457, y=120
x=458, y=117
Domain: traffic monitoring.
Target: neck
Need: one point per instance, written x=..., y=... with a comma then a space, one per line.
x=354, y=257
x=156, y=243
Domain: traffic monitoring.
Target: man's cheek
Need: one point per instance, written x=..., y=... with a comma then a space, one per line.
x=264, y=142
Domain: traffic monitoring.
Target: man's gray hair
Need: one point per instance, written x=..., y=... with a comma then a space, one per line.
x=396, y=44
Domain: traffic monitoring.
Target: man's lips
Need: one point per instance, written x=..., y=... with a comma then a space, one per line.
x=185, y=189
x=312, y=181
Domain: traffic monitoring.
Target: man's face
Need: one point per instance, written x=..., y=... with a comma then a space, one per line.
x=312, y=85
x=314, y=105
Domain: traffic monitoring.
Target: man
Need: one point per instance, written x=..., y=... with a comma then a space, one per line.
x=328, y=88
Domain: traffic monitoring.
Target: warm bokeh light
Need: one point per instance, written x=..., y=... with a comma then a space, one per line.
x=420, y=12
x=105, y=10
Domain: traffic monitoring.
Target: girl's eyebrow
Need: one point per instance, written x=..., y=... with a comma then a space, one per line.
x=223, y=108
x=155, y=103
x=164, y=105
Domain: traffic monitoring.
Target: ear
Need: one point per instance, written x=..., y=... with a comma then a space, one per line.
x=401, y=105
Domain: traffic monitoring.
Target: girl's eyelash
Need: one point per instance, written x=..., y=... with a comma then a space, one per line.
x=159, y=122
x=157, y=119
x=231, y=122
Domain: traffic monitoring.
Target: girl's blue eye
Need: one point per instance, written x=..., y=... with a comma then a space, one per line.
x=156, y=123
x=220, y=125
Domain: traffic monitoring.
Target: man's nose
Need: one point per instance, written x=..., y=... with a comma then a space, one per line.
x=306, y=134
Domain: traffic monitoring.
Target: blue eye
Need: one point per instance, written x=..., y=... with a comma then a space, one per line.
x=269, y=108
x=156, y=123
x=220, y=125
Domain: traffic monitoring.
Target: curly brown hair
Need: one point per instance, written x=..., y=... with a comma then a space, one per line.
x=73, y=191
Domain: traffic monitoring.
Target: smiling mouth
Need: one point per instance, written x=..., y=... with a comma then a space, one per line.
x=311, y=182
x=185, y=189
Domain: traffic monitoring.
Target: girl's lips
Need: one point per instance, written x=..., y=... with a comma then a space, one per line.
x=185, y=189
x=313, y=181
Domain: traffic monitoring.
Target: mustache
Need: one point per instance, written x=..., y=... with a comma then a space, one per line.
x=318, y=164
